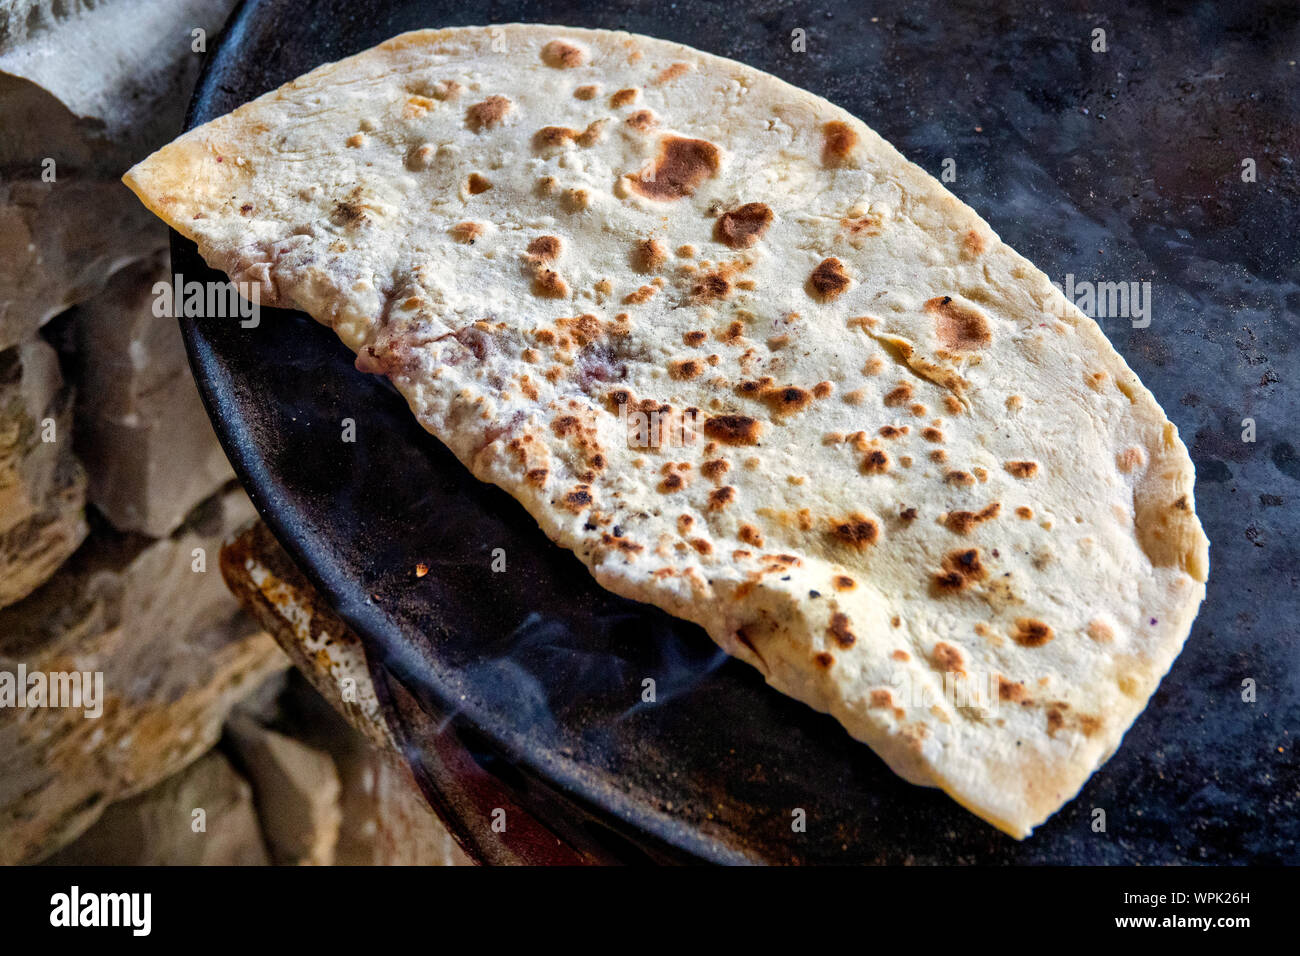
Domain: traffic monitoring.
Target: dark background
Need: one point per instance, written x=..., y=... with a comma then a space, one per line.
x=1116, y=166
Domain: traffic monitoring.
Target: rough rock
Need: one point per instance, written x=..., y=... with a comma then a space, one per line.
x=42, y=487
x=93, y=87
x=141, y=428
x=297, y=792
x=175, y=653
x=122, y=69
x=60, y=242
x=264, y=704
x=158, y=827
x=18, y=18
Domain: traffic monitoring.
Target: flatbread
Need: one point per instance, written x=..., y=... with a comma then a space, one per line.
x=888, y=465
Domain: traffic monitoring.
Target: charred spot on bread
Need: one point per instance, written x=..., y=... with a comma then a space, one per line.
x=710, y=288
x=579, y=499
x=642, y=121
x=900, y=395
x=348, y=213
x=640, y=295
x=548, y=137
x=732, y=429
x=838, y=140
x=1013, y=691
x=719, y=498
x=840, y=631
x=1030, y=632
x=685, y=369
x=467, y=232
x=1022, y=469
x=489, y=113
x=828, y=281
x=962, y=522
x=545, y=248
x=782, y=399
x=547, y=284
x=857, y=531
x=743, y=226
x=960, y=570
x=564, y=55
x=648, y=255
x=592, y=134
x=875, y=462
x=959, y=327
x=680, y=165
x=671, y=72
x=945, y=657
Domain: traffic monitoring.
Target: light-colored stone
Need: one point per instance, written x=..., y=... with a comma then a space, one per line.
x=175, y=653
x=59, y=243
x=122, y=68
x=18, y=18
x=160, y=827
x=263, y=704
x=142, y=431
x=42, y=487
x=297, y=791
x=93, y=88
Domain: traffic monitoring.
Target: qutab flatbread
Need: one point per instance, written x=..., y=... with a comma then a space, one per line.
x=752, y=366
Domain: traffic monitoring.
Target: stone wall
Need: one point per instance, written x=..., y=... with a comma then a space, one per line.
x=115, y=499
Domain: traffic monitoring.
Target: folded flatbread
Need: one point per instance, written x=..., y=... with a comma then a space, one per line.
x=751, y=365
